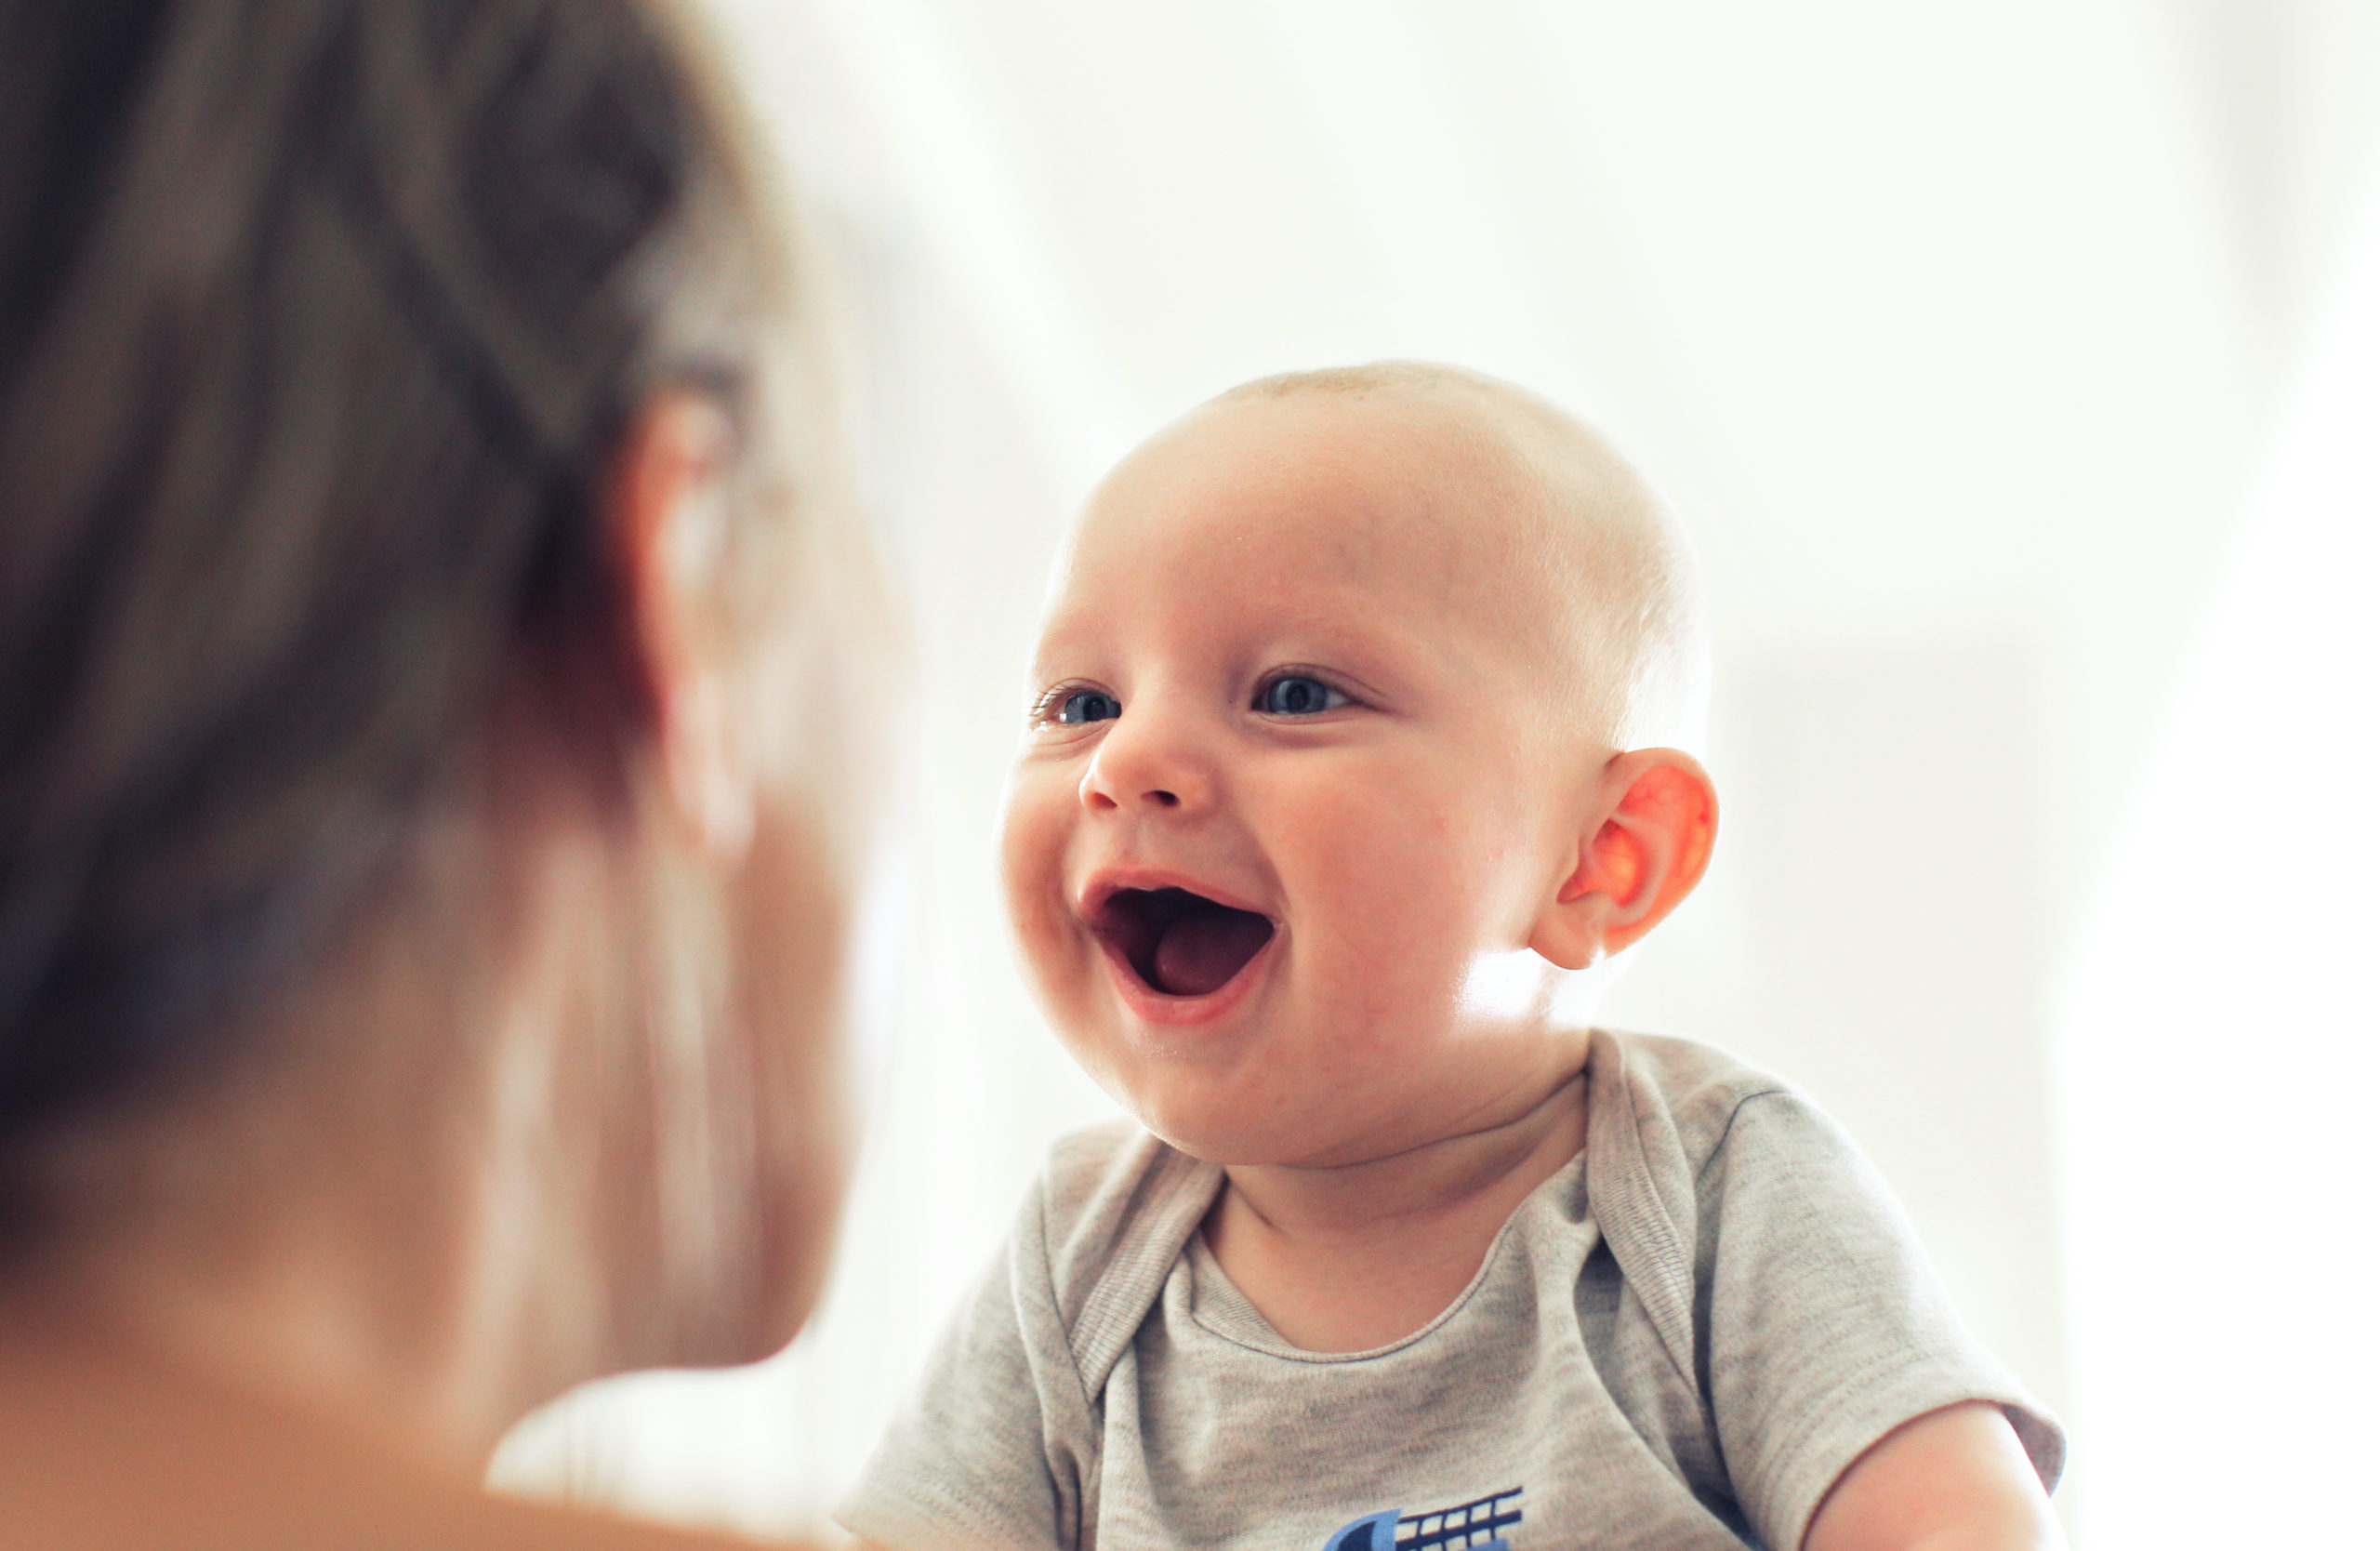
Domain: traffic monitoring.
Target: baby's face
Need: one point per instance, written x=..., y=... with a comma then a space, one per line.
x=1298, y=787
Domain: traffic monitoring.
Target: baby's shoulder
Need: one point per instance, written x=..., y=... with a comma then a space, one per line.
x=1679, y=1098
x=1110, y=1192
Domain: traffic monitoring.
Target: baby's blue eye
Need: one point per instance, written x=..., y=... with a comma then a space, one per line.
x=1296, y=695
x=1087, y=705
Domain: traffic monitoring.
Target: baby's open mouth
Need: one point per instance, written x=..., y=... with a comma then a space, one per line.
x=1180, y=943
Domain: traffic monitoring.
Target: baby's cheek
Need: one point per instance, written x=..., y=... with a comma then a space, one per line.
x=1394, y=880
x=1387, y=847
x=1033, y=873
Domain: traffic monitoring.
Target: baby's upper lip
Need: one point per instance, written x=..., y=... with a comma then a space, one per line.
x=1107, y=882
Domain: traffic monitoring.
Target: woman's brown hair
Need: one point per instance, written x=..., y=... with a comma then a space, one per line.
x=319, y=323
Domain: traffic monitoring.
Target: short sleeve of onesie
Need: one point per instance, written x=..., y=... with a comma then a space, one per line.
x=1825, y=1326
x=1678, y=1342
x=973, y=1429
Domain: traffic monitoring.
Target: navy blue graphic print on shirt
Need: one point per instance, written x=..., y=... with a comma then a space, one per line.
x=1478, y=1525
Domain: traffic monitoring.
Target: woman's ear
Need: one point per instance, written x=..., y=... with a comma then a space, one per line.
x=667, y=513
x=1645, y=844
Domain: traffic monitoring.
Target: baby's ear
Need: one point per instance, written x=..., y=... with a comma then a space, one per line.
x=1645, y=844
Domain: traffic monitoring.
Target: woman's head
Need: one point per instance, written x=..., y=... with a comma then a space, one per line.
x=416, y=527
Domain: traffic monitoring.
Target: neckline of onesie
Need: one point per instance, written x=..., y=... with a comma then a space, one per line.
x=1220, y=1308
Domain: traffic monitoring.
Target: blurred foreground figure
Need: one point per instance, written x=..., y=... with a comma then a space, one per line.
x=430, y=803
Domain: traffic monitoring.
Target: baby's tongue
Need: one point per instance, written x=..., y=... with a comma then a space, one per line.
x=1203, y=949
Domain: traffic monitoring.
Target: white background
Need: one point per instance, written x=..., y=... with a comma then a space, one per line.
x=2017, y=368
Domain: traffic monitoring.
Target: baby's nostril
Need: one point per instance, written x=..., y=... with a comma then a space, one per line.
x=1164, y=799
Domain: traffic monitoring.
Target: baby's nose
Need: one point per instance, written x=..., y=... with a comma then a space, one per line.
x=1105, y=796
x=1144, y=767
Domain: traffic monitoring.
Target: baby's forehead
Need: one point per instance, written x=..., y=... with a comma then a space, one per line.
x=1438, y=499
x=1375, y=489
x=1349, y=536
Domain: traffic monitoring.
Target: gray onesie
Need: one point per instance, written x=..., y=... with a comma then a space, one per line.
x=1679, y=1341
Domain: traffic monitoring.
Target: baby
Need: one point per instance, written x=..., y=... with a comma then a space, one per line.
x=1355, y=754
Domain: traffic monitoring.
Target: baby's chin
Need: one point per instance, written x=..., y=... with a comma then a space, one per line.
x=1227, y=1130
x=1210, y=1126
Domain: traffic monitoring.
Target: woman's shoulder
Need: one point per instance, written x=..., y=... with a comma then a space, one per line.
x=101, y=1445
x=305, y=1513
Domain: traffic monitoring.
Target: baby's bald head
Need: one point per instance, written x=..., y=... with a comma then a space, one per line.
x=1599, y=571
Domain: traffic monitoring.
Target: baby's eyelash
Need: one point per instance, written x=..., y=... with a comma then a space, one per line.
x=1049, y=706
x=1330, y=684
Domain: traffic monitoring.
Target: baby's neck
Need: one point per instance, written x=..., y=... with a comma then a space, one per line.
x=1346, y=1258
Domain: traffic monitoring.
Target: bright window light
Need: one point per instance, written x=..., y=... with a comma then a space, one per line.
x=2220, y=1026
